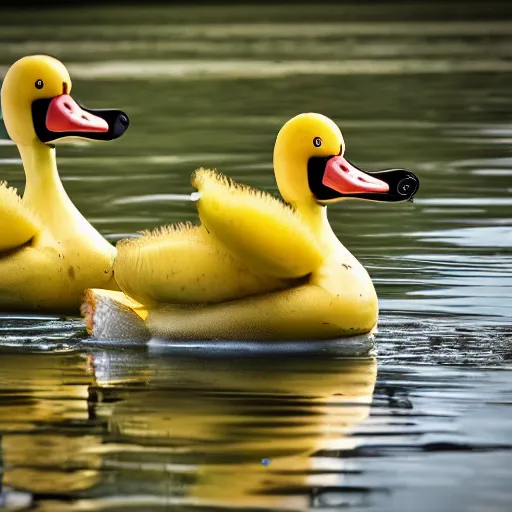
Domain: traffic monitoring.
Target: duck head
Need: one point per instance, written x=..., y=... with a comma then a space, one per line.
x=310, y=167
x=37, y=106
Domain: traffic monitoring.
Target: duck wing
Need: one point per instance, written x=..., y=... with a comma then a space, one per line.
x=265, y=233
x=183, y=264
x=18, y=225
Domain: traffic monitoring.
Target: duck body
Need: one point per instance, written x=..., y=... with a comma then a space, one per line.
x=300, y=283
x=49, y=253
x=257, y=268
x=61, y=256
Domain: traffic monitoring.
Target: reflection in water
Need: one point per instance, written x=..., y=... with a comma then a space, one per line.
x=43, y=399
x=206, y=426
x=160, y=430
x=127, y=430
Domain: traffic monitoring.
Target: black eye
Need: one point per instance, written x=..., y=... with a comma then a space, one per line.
x=39, y=84
x=317, y=142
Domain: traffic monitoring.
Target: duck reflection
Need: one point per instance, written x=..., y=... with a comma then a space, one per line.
x=43, y=405
x=229, y=433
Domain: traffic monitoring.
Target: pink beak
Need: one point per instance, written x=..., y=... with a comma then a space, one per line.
x=65, y=115
x=342, y=176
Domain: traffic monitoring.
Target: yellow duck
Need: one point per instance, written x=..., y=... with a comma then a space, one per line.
x=49, y=253
x=257, y=268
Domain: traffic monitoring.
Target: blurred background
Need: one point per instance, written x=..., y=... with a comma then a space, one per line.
x=424, y=425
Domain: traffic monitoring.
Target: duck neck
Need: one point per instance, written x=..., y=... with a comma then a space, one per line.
x=316, y=216
x=43, y=186
x=313, y=213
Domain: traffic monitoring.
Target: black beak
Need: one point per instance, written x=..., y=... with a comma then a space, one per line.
x=403, y=184
x=116, y=120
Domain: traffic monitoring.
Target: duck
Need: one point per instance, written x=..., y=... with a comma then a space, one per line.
x=257, y=267
x=49, y=253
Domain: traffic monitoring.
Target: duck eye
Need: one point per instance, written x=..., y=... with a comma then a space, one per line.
x=317, y=142
x=39, y=84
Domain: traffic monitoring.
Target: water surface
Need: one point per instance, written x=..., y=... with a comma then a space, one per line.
x=422, y=426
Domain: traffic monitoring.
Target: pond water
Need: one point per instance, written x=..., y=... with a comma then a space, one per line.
x=422, y=426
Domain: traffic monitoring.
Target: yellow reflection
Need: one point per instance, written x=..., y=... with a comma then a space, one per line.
x=41, y=393
x=219, y=419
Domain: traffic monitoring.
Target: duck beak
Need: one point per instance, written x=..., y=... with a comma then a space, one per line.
x=334, y=178
x=65, y=115
x=341, y=176
x=61, y=117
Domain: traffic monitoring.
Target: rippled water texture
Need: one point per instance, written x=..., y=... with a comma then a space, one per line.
x=422, y=427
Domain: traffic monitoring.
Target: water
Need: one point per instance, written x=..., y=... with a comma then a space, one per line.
x=424, y=425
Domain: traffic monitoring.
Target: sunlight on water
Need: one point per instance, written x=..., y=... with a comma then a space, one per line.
x=237, y=69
